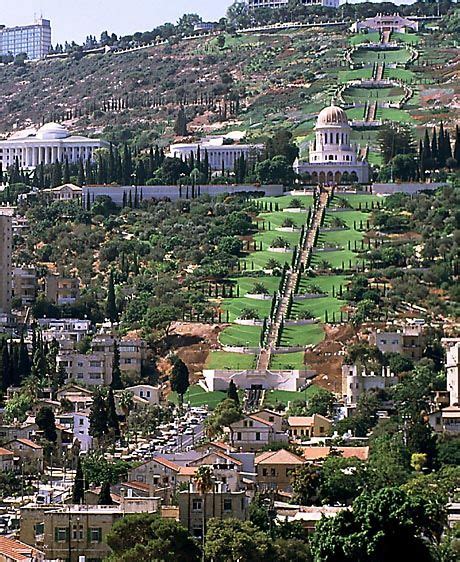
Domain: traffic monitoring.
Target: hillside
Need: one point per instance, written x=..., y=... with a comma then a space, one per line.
x=254, y=82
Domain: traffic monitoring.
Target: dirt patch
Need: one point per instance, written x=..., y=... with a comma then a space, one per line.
x=327, y=357
x=192, y=342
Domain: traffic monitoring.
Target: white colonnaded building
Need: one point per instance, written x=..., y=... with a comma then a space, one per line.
x=333, y=159
x=220, y=155
x=49, y=144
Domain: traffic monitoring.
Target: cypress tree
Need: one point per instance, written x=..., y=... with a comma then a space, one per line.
x=98, y=417
x=66, y=177
x=232, y=392
x=105, y=497
x=456, y=153
x=434, y=148
x=116, y=383
x=112, y=417
x=81, y=173
x=179, y=377
x=441, y=147
x=78, y=491
x=111, y=306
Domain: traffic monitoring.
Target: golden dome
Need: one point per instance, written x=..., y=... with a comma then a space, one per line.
x=332, y=115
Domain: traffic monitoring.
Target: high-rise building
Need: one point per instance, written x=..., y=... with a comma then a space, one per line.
x=6, y=238
x=34, y=40
x=254, y=4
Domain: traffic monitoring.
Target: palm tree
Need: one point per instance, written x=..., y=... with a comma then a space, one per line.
x=126, y=404
x=204, y=482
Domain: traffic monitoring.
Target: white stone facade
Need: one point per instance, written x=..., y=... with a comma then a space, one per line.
x=49, y=144
x=385, y=22
x=333, y=159
x=220, y=155
x=276, y=4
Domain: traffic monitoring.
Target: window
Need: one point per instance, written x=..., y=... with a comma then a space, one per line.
x=228, y=505
x=271, y=418
x=257, y=436
x=197, y=504
x=61, y=534
x=272, y=472
x=39, y=529
x=95, y=534
x=77, y=532
x=264, y=472
x=238, y=436
x=321, y=429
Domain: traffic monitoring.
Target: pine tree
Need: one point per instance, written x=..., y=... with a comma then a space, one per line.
x=112, y=417
x=78, y=491
x=111, y=306
x=116, y=383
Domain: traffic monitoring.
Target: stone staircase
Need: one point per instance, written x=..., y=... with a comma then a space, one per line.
x=292, y=278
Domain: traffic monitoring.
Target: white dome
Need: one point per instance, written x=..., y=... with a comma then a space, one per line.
x=332, y=115
x=52, y=131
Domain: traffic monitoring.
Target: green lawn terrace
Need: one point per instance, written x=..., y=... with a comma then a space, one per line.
x=358, y=201
x=226, y=360
x=283, y=202
x=354, y=94
x=303, y=335
x=272, y=397
x=361, y=38
x=237, y=335
x=197, y=396
x=358, y=74
x=287, y=361
x=394, y=114
x=368, y=57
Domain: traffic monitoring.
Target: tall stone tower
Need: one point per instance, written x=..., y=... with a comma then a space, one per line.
x=6, y=243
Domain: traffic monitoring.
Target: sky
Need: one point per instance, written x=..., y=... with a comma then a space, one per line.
x=80, y=18
x=74, y=21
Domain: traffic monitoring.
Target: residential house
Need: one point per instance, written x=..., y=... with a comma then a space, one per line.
x=226, y=468
x=78, y=424
x=12, y=550
x=305, y=427
x=452, y=346
x=6, y=460
x=446, y=420
x=275, y=470
x=152, y=394
x=356, y=380
x=25, y=430
x=319, y=454
x=252, y=433
x=28, y=454
x=159, y=473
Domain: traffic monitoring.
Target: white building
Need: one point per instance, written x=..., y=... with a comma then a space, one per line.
x=220, y=155
x=356, y=381
x=6, y=241
x=276, y=4
x=333, y=159
x=66, y=192
x=385, y=22
x=49, y=144
x=453, y=369
x=33, y=40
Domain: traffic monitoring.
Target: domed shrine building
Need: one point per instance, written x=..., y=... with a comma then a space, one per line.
x=49, y=144
x=333, y=159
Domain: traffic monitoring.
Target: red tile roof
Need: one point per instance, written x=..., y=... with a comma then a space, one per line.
x=278, y=457
x=15, y=550
x=5, y=452
x=26, y=442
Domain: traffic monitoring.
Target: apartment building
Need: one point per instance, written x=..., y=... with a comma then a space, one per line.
x=71, y=330
x=6, y=244
x=93, y=369
x=33, y=40
x=195, y=510
x=25, y=285
x=133, y=351
x=69, y=532
x=62, y=290
x=410, y=341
